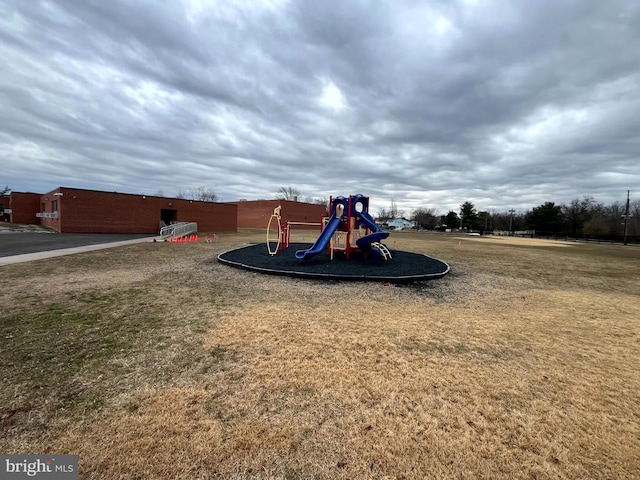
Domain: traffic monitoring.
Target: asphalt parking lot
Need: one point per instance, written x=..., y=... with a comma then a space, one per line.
x=23, y=243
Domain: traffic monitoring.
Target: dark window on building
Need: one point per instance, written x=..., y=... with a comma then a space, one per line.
x=43, y=207
x=54, y=205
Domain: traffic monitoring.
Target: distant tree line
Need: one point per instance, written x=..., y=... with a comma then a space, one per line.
x=582, y=217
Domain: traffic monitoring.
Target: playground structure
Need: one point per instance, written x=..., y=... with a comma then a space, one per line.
x=348, y=228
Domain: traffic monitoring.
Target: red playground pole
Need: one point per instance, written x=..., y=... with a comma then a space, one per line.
x=329, y=213
x=286, y=238
x=350, y=204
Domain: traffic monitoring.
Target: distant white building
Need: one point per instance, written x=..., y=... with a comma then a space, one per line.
x=400, y=223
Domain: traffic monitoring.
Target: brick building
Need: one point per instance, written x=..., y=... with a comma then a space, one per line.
x=256, y=213
x=4, y=208
x=23, y=207
x=73, y=210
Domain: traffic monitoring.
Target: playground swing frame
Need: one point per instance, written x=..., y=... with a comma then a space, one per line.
x=287, y=231
x=284, y=233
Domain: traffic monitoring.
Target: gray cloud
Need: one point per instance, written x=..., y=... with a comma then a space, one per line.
x=432, y=104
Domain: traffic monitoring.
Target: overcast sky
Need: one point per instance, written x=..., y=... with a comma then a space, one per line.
x=507, y=104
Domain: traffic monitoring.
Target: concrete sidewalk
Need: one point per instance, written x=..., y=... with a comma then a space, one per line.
x=28, y=257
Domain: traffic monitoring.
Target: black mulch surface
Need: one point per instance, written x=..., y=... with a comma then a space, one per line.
x=403, y=267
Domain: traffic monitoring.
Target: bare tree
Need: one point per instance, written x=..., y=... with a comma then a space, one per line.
x=203, y=194
x=5, y=191
x=390, y=213
x=426, y=218
x=611, y=215
x=393, y=209
x=507, y=221
x=288, y=193
x=316, y=200
x=579, y=212
x=634, y=221
x=383, y=215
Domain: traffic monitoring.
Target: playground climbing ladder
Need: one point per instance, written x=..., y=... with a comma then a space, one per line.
x=382, y=248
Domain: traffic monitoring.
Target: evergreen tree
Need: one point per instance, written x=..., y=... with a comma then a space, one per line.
x=468, y=216
x=545, y=219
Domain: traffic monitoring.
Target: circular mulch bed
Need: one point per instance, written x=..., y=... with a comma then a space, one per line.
x=404, y=267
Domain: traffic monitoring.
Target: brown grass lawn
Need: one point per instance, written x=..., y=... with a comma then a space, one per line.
x=154, y=361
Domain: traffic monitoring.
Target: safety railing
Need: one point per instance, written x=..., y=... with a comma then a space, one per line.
x=179, y=229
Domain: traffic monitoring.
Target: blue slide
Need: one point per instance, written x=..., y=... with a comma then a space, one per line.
x=376, y=235
x=322, y=241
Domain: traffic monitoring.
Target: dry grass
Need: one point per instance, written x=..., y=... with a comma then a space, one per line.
x=154, y=361
x=18, y=227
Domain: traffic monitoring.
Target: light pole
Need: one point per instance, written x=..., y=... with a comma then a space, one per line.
x=512, y=211
x=626, y=218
